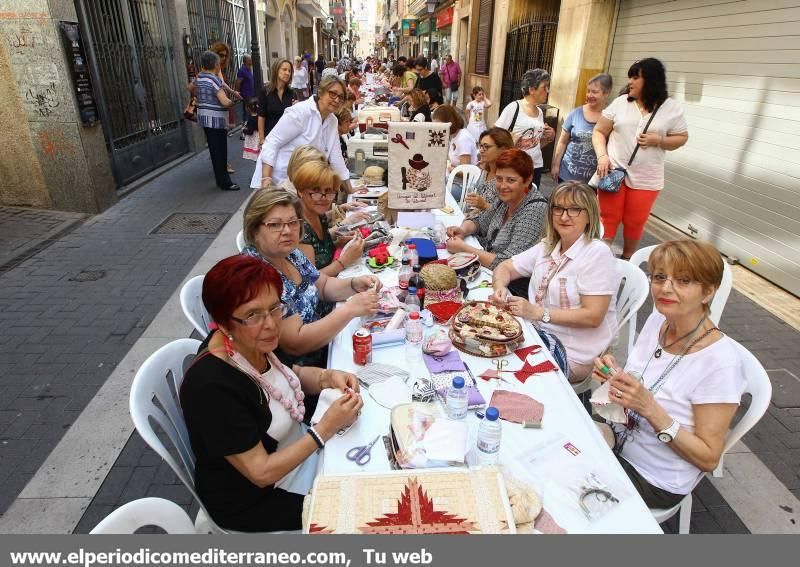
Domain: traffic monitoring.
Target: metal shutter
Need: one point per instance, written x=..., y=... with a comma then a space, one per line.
x=484, y=42
x=734, y=67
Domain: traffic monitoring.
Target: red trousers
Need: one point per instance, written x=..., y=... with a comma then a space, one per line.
x=628, y=206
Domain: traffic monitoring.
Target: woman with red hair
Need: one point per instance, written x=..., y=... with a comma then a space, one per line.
x=244, y=410
x=514, y=223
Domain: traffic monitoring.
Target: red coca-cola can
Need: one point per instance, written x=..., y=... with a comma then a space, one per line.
x=362, y=346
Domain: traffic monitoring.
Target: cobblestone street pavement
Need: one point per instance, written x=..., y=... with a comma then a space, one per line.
x=65, y=336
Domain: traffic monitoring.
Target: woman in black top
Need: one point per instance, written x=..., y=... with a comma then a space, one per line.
x=244, y=410
x=274, y=98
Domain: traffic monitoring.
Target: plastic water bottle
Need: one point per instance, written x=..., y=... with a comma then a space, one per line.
x=489, y=433
x=413, y=255
x=404, y=275
x=412, y=301
x=457, y=401
x=413, y=337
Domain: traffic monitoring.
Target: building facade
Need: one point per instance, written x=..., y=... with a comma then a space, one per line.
x=95, y=91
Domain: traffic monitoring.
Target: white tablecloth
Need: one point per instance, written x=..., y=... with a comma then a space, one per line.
x=549, y=466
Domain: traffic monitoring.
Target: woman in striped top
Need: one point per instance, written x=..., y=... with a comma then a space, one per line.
x=212, y=115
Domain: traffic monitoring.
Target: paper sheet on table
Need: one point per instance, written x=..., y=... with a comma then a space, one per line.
x=446, y=440
x=408, y=219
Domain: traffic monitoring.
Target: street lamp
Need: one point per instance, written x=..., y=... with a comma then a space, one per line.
x=431, y=6
x=328, y=25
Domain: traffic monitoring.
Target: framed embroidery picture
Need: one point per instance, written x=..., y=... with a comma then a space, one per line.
x=447, y=501
x=417, y=164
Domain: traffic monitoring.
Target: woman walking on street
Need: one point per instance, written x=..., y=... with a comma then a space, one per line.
x=617, y=135
x=300, y=79
x=212, y=115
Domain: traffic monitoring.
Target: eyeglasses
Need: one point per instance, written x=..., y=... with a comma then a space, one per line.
x=318, y=195
x=258, y=316
x=485, y=147
x=678, y=283
x=336, y=95
x=277, y=226
x=572, y=212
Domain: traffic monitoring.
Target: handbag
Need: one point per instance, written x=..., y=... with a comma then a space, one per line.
x=612, y=181
x=190, y=112
x=526, y=139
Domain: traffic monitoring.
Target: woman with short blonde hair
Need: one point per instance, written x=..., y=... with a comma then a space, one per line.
x=573, y=279
x=273, y=225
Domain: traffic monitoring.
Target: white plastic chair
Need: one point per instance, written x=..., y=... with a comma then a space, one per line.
x=160, y=379
x=717, y=303
x=630, y=298
x=146, y=512
x=760, y=388
x=240, y=243
x=471, y=174
x=193, y=307
x=152, y=381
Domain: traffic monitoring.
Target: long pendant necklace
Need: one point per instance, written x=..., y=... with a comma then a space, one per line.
x=633, y=418
x=660, y=350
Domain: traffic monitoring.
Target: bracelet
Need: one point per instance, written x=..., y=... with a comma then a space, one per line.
x=342, y=265
x=316, y=437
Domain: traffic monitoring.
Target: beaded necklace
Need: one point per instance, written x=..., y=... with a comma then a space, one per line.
x=296, y=410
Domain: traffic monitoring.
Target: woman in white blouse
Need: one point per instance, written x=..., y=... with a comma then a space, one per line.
x=300, y=78
x=463, y=147
x=616, y=135
x=313, y=122
x=572, y=279
x=681, y=384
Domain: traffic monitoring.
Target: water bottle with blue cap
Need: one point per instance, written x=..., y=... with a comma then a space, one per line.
x=457, y=399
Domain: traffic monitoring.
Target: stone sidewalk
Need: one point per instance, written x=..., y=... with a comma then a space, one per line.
x=74, y=309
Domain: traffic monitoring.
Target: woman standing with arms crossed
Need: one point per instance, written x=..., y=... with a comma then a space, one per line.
x=574, y=158
x=619, y=131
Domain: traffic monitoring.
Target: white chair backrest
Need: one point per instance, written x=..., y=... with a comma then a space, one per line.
x=193, y=307
x=240, y=243
x=632, y=294
x=153, y=381
x=471, y=174
x=720, y=298
x=146, y=512
x=759, y=387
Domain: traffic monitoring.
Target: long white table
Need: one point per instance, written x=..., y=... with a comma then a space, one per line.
x=537, y=456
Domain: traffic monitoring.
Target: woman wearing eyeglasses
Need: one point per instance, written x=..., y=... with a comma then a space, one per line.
x=316, y=183
x=690, y=378
x=273, y=226
x=491, y=144
x=313, y=122
x=573, y=279
x=514, y=223
x=244, y=410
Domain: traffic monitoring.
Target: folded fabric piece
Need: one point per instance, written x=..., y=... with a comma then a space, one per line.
x=391, y=392
x=605, y=408
x=326, y=398
x=374, y=373
x=516, y=407
x=523, y=352
x=546, y=524
x=438, y=344
x=443, y=311
x=446, y=440
x=450, y=362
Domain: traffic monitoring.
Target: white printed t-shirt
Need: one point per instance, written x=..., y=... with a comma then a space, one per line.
x=462, y=143
x=714, y=375
x=526, y=127
x=589, y=270
x=647, y=170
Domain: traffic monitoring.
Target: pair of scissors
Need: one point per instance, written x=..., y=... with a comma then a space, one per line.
x=398, y=139
x=500, y=365
x=361, y=455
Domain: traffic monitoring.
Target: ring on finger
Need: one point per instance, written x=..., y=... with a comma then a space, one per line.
x=618, y=393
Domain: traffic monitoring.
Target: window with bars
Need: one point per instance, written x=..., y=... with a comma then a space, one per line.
x=484, y=37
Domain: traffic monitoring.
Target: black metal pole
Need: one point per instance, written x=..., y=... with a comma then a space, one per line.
x=255, y=51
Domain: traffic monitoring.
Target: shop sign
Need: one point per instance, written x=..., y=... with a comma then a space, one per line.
x=444, y=18
x=337, y=9
x=424, y=27
x=409, y=28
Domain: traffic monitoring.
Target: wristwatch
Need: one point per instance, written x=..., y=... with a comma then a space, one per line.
x=668, y=434
x=546, y=316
